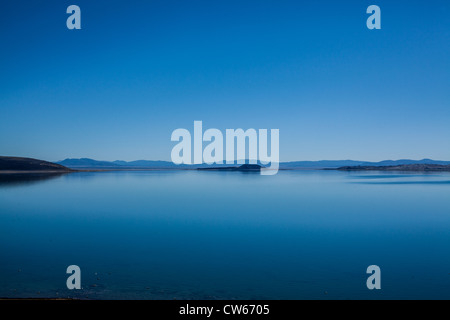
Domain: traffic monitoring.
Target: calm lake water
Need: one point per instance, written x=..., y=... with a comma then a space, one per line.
x=226, y=235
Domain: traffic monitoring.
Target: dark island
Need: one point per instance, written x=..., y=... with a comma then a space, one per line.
x=243, y=168
x=405, y=167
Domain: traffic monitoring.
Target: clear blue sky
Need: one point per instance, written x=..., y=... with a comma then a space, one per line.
x=140, y=69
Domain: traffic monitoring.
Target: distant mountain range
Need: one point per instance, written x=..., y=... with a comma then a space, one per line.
x=86, y=163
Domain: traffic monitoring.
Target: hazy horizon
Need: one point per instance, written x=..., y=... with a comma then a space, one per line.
x=281, y=161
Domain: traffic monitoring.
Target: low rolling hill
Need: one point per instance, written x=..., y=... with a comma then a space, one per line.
x=30, y=164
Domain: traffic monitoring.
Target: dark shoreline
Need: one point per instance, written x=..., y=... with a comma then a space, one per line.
x=403, y=168
x=87, y=170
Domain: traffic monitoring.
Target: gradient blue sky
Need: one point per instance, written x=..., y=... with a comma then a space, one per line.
x=140, y=69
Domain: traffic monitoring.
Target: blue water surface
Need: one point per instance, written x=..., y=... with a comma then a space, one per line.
x=225, y=235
